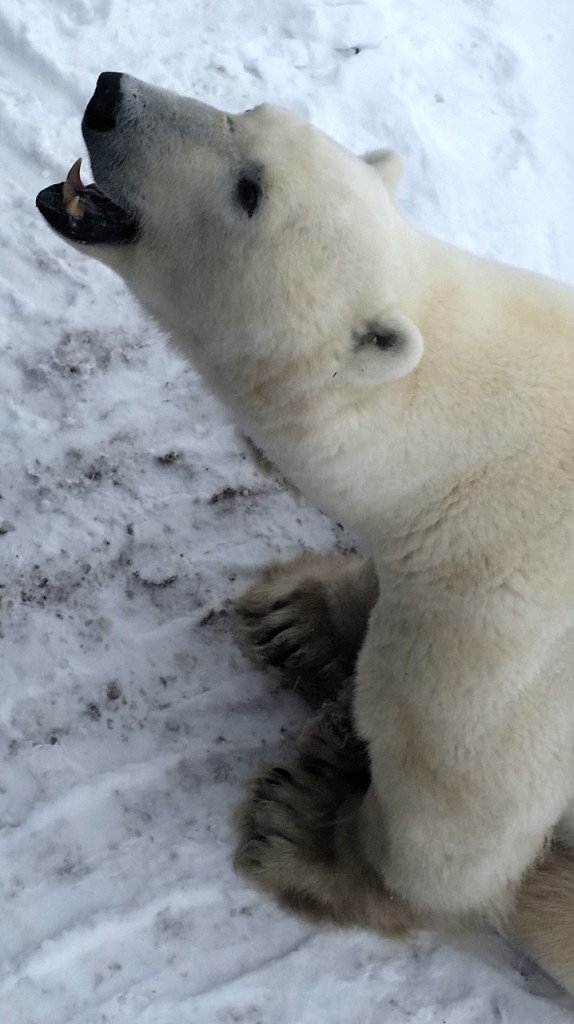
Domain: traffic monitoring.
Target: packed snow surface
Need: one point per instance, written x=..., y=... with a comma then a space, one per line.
x=131, y=513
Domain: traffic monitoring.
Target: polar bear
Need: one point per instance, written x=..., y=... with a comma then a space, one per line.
x=424, y=397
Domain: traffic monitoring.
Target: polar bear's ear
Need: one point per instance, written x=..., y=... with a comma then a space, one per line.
x=390, y=349
x=389, y=165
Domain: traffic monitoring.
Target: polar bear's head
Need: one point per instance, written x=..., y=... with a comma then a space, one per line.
x=242, y=234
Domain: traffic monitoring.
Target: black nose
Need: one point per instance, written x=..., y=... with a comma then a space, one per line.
x=100, y=114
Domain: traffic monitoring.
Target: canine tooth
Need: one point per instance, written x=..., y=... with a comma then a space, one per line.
x=74, y=178
x=72, y=185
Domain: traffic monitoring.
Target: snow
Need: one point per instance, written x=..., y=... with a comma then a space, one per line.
x=131, y=513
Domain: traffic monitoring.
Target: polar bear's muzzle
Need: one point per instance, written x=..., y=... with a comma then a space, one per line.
x=93, y=214
x=131, y=130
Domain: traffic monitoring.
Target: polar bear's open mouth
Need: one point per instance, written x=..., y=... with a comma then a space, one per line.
x=84, y=213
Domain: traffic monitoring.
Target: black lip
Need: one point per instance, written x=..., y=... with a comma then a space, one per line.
x=103, y=222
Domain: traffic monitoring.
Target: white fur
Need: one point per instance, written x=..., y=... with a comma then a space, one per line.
x=458, y=470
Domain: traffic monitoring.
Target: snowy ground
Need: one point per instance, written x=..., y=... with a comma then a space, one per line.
x=130, y=513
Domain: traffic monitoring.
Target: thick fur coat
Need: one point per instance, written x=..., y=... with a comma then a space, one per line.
x=424, y=397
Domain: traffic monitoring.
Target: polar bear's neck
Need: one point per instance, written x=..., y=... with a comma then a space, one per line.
x=371, y=457
x=393, y=460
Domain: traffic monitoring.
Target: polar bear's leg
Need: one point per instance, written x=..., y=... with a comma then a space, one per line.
x=298, y=833
x=307, y=618
x=298, y=841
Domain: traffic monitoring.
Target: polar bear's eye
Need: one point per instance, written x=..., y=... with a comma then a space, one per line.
x=248, y=194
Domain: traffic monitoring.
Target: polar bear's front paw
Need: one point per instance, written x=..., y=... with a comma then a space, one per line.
x=297, y=828
x=287, y=842
x=299, y=842
x=286, y=623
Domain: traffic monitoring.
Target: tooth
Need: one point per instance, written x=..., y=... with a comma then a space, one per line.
x=72, y=185
x=73, y=207
x=74, y=178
